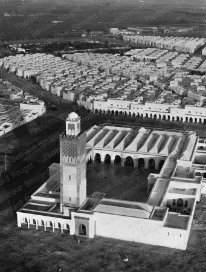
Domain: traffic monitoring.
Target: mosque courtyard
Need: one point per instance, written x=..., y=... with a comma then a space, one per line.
x=118, y=182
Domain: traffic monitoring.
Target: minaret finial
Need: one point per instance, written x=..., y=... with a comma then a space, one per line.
x=73, y=124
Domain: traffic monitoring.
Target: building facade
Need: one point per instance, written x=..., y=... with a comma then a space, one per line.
x=153, y=110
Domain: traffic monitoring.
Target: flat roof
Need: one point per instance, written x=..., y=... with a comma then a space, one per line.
x=159, y=213
x=51, y=185
x=175, y=220
x=124, y=208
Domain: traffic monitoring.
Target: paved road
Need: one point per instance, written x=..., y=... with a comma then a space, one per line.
x=37, y=91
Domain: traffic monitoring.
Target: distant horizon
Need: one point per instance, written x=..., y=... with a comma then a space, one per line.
x=93, y=15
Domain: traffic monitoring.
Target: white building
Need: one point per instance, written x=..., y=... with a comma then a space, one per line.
x=204, y=51
x=61, y=203
x=155, y=110
x=35, y=106
x=114, y=30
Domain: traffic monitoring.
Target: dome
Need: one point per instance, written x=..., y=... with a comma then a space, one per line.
x=73, y=116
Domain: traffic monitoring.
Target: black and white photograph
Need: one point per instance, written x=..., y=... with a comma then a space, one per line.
x=102, y=135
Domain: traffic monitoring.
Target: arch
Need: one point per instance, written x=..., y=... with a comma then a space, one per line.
x=180, y=202
x=82, y=230
x=34, y=222
x=118, y=160
x=116, y=113
x=141, y=163
x=155, y=116
x=42, y=223
x=97, y=158
x=150, y=115
x=68, y=228
x=109, y=112
x=133, y=115
x=112, y=112
x=50, y=224
x=191, y=120
x=146, y=115
x=26, y=220
x=151, y=164
x=107, y=159
x=186, y=203
x=100, y=111
x=163, y=117
x=129, y=162
x=195, y=120
x=168, y=117
x=59, y=225
x=161, y=163
x=178, y=118
x=174, y=202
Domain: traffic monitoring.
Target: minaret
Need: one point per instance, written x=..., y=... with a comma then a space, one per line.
x=72, y=164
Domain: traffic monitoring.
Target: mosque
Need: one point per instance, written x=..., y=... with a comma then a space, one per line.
x=61, y=204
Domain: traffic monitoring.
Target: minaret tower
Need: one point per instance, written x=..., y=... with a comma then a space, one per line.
x=72, y=164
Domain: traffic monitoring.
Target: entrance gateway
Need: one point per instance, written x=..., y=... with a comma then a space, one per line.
x=81, y=226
